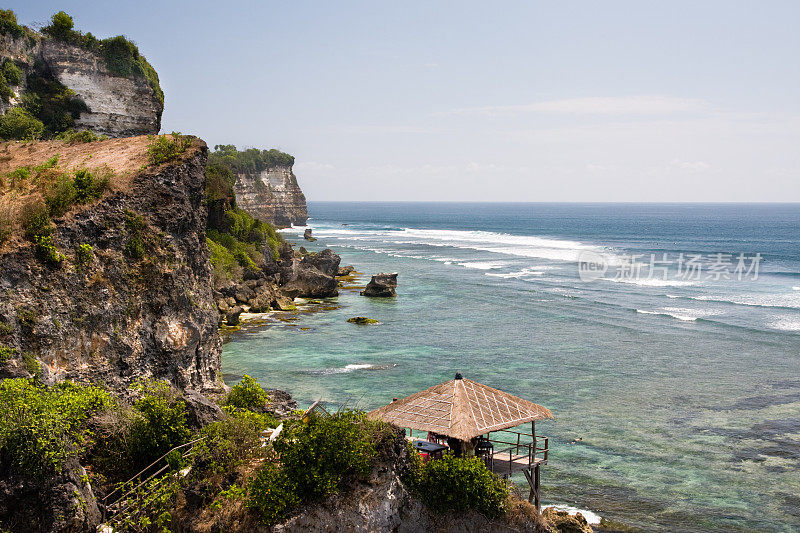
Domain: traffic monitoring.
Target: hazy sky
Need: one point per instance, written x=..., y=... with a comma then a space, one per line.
x=509, y=101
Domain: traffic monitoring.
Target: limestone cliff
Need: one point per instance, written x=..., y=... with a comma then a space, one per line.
x=139, y=304
x=115, y=105
x=272, y=195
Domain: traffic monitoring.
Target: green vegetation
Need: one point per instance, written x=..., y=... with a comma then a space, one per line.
x=6, y=353
x=9, y=24
x=18, y=123
x=251, y=160
x=134, y=248
x=121, y=55
x=84, y=255
x=41, y=427
x=470, y=485
x=10, y=74
x=83, y=187
x=247, y=394
x=161, y=424
x=164, y=148
x=53, y=104
x=83, y=136
x=316, y=459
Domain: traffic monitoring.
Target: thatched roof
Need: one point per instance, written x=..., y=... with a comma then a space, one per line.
x=461, y=408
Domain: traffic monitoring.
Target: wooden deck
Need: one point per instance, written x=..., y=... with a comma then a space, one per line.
x=503, y=464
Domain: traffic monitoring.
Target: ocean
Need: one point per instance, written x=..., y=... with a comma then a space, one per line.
x=665, y=337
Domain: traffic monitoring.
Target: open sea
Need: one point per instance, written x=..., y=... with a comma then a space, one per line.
x=666, y=337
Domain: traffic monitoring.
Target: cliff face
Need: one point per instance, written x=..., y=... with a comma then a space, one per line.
x=121, y=316
x=273, y=196
x=118, y=106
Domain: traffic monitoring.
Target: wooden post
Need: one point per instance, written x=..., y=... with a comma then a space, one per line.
x=533, y=434
x=536, y=481
x=527, y=473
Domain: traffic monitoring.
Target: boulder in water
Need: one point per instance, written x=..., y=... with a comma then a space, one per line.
x=307, y=235
x=381, y=285
x=362, y=320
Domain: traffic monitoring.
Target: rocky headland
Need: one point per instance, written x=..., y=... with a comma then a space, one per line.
x=104, y=86
x=120, y=259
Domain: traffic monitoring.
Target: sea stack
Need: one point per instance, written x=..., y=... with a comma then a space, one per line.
x=381, y=285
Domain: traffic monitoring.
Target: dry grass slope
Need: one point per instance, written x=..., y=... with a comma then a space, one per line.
x=118, y=160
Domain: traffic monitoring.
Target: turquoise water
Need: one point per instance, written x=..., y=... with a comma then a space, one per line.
x=685, y=392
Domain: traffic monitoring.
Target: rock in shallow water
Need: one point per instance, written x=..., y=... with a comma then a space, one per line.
x=361, y=320
x=381, y=285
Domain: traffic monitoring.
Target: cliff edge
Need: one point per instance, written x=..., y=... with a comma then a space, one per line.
x=117, y=287
x=67, y=80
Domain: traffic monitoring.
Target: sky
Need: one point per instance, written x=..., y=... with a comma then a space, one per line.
x=578, y=101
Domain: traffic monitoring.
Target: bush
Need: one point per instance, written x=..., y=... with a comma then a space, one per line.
x=134, y=248
x=11, y=72
x=60, y=27
x=18, y=123
x=459, y=484
x=230, y=442
x=36, y=221
x=50, y=163
x=84, y=255
x=164, y=148
x=41, y=427
x=320, y=454
x=18, y=175
x=6, y=353
x=60, y=196
x=83, y=136
x=222, y=261
x=53, y=104
x=247, y=394
x=9, y=24
x=272, y=494
x=161, y=425
x=47, y=251
x=87, y=186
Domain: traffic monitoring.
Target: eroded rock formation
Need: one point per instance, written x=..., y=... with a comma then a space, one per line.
x=273, y=196
x=381, y=285
x=117, y=106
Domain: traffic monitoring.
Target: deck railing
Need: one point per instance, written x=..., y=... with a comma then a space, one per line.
x=517, y=449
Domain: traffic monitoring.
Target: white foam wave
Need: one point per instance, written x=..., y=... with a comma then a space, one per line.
x=522, y=274
x=786, y=324
x=487, y=241
x=796, y=288
x=681, y=313
x=790, y=300
x=591, y=517
x=355, y=366
x=651, y=282
x=483, y=265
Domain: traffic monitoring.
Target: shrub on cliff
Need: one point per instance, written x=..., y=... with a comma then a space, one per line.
x=164, y=148
x=18, y=123
x=121, y=55
x=9, y=24
x=52, y=103
x=247, y=394
x=161, y=423
x=459, y=484
x=41, y=427
x=316, y=458
x=83, y=136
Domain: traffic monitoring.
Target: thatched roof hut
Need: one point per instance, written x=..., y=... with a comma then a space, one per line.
x=462, y=409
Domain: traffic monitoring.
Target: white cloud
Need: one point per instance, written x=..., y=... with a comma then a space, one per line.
x=595, y=105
